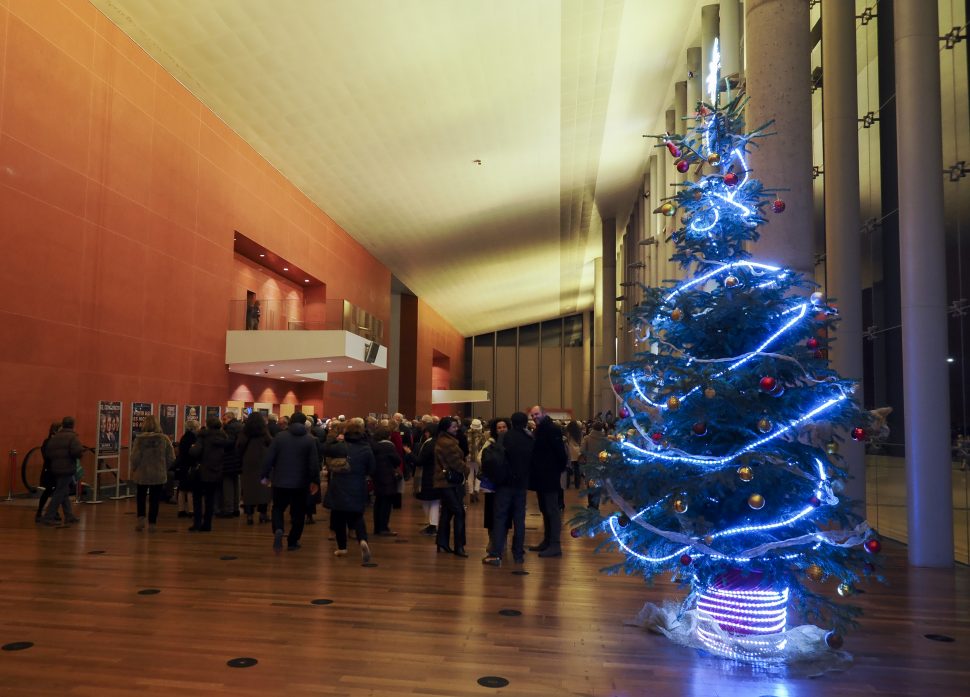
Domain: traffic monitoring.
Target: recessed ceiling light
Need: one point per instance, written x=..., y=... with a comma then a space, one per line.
x=306, y=280
x=272, y=365
x=329, y=361
x=262, y=255
x=302, y=380
x=350, y=366
x=297, y=370
x=286, y=268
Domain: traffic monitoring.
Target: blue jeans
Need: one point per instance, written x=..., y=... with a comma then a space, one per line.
x=509, y=511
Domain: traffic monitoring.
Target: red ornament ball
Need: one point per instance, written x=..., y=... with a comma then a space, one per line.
x=731, y=179
x=778, y=206
x=624, y=412
x=683, y=166
x=575, y=533
x=700, y=428
x=873, y=546
x=656, y=437
x=674, y=150
x=623, y=520
x=767, y=383
x=833, y=640
x=812, y=344
x=685, y=559
x=858, y=433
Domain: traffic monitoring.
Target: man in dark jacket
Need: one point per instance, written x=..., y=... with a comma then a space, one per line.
x=62, y=451
x=549, y=461
x=295, y=467
x=231, y=467
x=510, y=494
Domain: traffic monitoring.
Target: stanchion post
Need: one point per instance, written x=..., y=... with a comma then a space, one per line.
x=13, y=466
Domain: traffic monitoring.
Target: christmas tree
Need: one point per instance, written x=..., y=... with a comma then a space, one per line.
x=716, y=469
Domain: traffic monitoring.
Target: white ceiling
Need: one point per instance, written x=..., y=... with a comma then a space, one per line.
x=377, y=109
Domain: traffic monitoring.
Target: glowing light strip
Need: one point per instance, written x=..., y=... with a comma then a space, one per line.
x=741, y=614
x=717, y=461
x=739, y=153
x=801, y=309
x=747, y=211
x=717, y=216
x=712, y=71
x=642, y=557
x=726, y=267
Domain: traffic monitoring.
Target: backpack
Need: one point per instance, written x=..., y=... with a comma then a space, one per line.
x=495, y=465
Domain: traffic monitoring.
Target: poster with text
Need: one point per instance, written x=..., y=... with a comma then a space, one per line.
x=139, y=410
x=192, y=412
x=167, y=415
x=213, y=412
x=109, y=428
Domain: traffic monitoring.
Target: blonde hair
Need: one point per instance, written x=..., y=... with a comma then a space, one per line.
x=192, y=425
x=150, y=424
x=355, y=425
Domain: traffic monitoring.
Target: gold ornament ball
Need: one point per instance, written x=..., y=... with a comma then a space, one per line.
x=680, y=505
x=815, y=572
x=710, y=393
x=709, y=539
x=604, y=455
x=631, y=432
x=844, y=589
x=620, y=438
x=698, y=195
x=832, y=447
x=731, y=281
x=764, y=425
x=745, y=473
x=676, y=314
x=673, y=403
x=756, y=501
x=713, y=159
x=668, y=209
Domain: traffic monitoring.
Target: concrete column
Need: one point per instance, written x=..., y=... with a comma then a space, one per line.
x=695, y=88
x=923, y=284
x=842, y=240
x=653, y=222
x=605, y=399
x=778, y=72
x=394, y=355
x=670, y=177
x=709, y=32
x=729, y=31
x=680, y=111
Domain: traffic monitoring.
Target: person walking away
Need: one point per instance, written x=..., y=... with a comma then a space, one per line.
x=231, y=467
x=574, y=445
x=47, y=479
x=251, y=450
x=476, y=441
x=548, y=464
x=449, y=464
x=208, y=452
x=511, y=489
x=497, y=428
x=183, y=465
x=292, y=467
x=424, y=489
x=151, y=456
x=62, y=449
x=347, y=493
x=387, y=473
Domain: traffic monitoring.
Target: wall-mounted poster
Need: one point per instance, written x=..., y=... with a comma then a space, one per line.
x=213, y=411
x=109, y=428
x=139, y=410
x=167, y=415
x=192, y=412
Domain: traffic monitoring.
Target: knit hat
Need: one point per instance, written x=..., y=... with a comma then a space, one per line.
x=476, y=425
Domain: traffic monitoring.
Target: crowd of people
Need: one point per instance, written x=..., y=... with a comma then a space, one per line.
x=266, y=466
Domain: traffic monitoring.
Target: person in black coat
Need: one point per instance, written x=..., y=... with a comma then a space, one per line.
x=510, y=495
x=294, y=465
x=208, y=452
x=548, y=463
x=62, y=451
x=387, y=473
x=347, y=493
x=47, y=480
x=425, y=492
x=231, y=467
x=180, y=470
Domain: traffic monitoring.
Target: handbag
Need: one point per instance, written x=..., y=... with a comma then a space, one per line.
x=337, y=464
x=454, y=477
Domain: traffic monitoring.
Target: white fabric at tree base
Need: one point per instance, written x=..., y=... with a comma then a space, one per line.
x=805, y=652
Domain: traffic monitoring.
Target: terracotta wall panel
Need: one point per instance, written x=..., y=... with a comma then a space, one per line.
x=118, y=219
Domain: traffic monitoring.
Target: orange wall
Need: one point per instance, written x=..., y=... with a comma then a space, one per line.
x=119, y=194
x=435, y=334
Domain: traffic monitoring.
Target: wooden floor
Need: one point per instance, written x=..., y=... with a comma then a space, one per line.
x=418, y=623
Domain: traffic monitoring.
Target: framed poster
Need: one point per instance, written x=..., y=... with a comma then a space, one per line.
x=213, y=411
x=109, y=428
x=139, y=410
x=167, y=416
x=192, y=412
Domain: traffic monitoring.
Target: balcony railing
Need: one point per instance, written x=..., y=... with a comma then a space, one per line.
x=295, y=315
